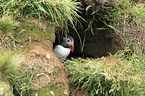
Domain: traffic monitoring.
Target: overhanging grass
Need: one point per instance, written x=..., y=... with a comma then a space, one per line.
x=128, y=19
x=129, y=12
x=113, y=75
x=8, y=35
x=123, y=16
x=60, y=12
x=123, y=12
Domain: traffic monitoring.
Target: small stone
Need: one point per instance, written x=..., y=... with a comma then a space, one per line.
x=65, y=92
x=30, y=39
x=48, y=56
x=52, y=92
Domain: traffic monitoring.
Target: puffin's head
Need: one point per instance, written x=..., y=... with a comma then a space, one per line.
x=68, y=42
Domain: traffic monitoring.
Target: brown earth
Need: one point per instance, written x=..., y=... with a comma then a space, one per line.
x=50, y=76
x=97, y=44
x=48, y=71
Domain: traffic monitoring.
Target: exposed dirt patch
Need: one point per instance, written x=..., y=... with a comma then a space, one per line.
x=48, y=71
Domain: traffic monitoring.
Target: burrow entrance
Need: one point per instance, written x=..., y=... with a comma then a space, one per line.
x=97, y=44
x=99, y=40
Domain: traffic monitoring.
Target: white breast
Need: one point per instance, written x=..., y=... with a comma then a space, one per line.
x=61, y=52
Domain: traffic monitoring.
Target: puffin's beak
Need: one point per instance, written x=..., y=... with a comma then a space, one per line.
x=72, y=49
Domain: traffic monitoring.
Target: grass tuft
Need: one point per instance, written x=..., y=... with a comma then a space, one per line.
x=61, y=12
x=20, y=80
x=124, y=17
x=113, y=75
x=9, y=62
x=8, y=31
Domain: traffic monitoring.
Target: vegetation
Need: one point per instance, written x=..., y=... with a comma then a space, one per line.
x=14, y=11
x=60, y=12
x=20, y=82
x=119, y=75
x=123, y=16
x=128, y=19
x=9, y=61
x=21, y=19
x=8, y=36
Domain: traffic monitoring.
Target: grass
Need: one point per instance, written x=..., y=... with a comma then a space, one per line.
x=122, y=12
x=21, y=81
x=13, y=12
x=61, y=12
x=121, y=74
x=118, y=75
x=9, y=61
x=8, y=35
x=124, y=17
x=128, y=19
x=10, y=64
x=129, y=12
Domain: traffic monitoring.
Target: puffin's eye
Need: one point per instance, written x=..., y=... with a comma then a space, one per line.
x=68, y=40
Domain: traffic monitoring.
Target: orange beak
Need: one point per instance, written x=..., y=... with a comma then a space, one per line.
x=72, y=49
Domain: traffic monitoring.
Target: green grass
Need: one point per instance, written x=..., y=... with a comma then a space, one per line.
x=129, y=12
x=8, y=35
x=10, y=64
x=122, y=12
x=58, y=13
x=62, y=13
x=127, y=18
x=118, y=75
x=15, y=14
x=21, y=81
x=124, y=17
x=121, y=74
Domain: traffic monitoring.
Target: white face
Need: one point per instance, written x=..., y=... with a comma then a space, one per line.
x=67, y=41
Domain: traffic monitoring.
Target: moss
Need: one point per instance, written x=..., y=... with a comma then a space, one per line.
x=35, y=29
x=5, y=89
x=9, y=61
x=53, y=90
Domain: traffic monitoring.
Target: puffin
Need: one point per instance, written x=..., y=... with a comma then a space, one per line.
x=63, y=50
